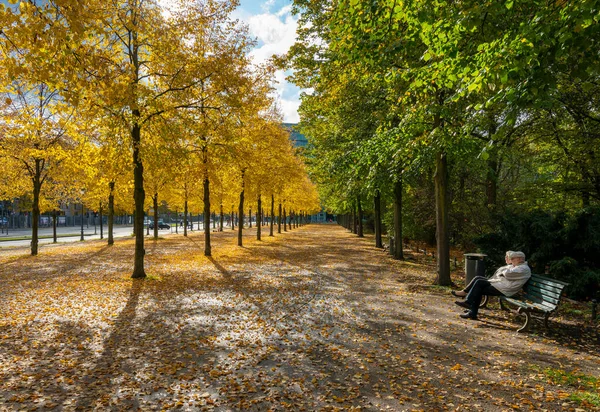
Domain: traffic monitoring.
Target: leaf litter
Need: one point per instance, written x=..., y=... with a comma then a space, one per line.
x=312, y=319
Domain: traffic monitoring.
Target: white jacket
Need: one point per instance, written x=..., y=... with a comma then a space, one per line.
x=510, y=279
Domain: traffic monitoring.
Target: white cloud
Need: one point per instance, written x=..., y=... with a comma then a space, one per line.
x=275, y=33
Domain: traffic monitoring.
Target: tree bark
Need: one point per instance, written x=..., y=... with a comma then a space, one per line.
x=54, y=237
x=442, y=224
x=272, y=215
x=111, y=212
x=250, y=218
x=101, y=223
x=185, y=216
x=207, y=248
x=360, y=218
x=398, y=252
x=279, y=219
x=284, y=221
x=139, y=196
x=241, y=212
x=377, y=209
x=232, y=219
x=155, y=205
x=258, y=217
x=221, y=218
x=35, y=208
x=354, y=226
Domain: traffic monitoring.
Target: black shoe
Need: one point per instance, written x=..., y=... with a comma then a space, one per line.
x=453, y=292
x=462, y=304
x=468, y=315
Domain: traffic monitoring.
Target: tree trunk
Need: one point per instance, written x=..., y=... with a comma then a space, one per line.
x=207, y=249
x=241, y=212
x=221, y=218
x=232, y=219
x=279, y=219
x=377, y=209
x=155, y=205
x=354, y=226
x=272, y=215
x=398, y=252
x=442, y=224
x=54, y=238
x=139, y=196
x=491, y=183
x=111, y=213
x=35, y=208
x=185, y=216
x=360, y=218
x=101, y=223
x=284, y=221
x=258, y=218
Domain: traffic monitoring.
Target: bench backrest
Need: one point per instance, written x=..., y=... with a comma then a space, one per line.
x=543, y=290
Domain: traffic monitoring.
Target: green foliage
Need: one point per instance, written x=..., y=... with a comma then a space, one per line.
x=566, y=247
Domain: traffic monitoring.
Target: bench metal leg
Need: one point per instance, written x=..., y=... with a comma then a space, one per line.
x=502, y=305
x=525, y=326
x=484, y=301
x=546, y=324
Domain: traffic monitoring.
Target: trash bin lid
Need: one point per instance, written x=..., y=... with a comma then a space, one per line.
x=475, y=256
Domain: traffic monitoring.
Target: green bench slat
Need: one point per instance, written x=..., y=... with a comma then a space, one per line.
x=547, y=288
x=539, y=306
x=539, y=294
x=550, y=280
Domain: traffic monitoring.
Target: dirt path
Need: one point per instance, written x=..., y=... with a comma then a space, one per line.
x=312, y=319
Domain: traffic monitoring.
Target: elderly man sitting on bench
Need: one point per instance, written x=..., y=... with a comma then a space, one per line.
x=507, y=281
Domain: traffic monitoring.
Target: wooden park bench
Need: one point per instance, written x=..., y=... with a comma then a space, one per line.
x=541, y=295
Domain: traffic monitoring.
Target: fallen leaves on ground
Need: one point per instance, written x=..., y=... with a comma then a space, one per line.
x=312, y=319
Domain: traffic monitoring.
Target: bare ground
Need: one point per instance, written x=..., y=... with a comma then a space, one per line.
x=312, y=319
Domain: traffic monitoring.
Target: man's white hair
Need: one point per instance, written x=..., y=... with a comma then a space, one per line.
x=511, y=254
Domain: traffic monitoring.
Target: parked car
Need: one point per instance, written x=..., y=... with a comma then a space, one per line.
x=161, y=225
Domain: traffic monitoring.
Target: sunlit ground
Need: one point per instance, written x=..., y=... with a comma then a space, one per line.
x=312, y=319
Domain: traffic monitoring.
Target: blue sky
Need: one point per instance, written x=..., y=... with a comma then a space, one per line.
x=274, y=27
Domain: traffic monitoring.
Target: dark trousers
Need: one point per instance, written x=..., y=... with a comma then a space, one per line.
x=478, y=287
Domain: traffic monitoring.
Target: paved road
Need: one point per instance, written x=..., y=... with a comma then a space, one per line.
x=89, y=234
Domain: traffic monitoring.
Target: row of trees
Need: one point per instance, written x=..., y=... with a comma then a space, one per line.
x=109, y=102
x=450, y=113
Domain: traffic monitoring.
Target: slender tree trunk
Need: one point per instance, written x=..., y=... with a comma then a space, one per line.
x=377, y=208
x=398, y=252
x=111, y=213
x=258, y=218
x=272, y=215
x=360, y=218
x=221, y=219
x=207, y=248
x=354, y=225
x=101, y=223
x=279, y=220
x=284, y=221
x=139, y=196
x=232, y=219
x=491, y=184
x=35, y=208
x=185, y=216
x=54, y=237
x=241, y=212
x=442, y=224
x=155, y=205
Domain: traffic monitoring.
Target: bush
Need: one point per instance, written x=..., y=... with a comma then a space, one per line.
x=566, y=247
